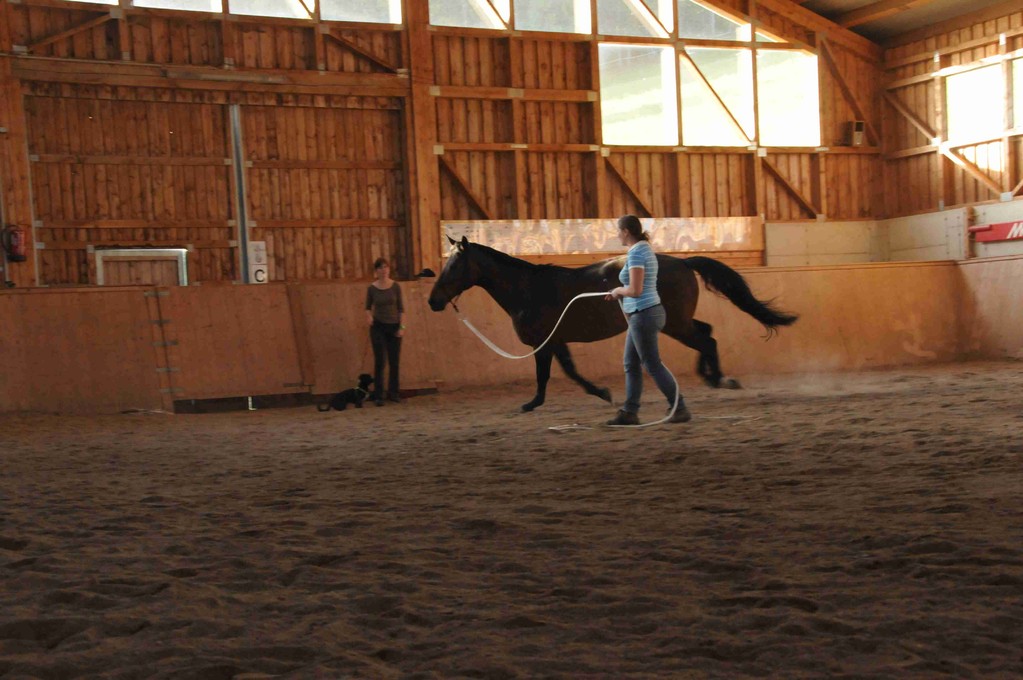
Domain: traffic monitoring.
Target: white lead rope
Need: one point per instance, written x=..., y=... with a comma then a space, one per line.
x=507, y=355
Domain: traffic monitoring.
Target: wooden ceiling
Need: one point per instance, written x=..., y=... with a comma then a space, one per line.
x=884, y=20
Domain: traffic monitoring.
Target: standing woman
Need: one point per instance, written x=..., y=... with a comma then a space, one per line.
x=385, y=314
x=642, y=305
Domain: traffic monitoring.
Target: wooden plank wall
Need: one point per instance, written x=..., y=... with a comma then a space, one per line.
x=921, y=175
x=115, y=349
x=358, y=139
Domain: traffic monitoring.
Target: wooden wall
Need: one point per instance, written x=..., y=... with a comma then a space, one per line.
x=922, y=172
x=119, y=348
x=355, y=140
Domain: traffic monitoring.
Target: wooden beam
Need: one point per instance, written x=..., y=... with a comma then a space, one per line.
x=6, y=43
x=208, y=78
x=464, y=186
x=361, y=51
x=829, y=60
x=423, y=175
x=15, y=170
x=1018, y=188
x=789, y=187
x=319, y=41
x=67, y=33
x=339, y=223
x=526, y=94
x=915, y=151
x=919, y=124
x=971, y=169
x=876, y=10
x=628, y=186
x=512, y=146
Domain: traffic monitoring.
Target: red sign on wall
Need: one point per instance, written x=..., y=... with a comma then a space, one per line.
x=1000, y=231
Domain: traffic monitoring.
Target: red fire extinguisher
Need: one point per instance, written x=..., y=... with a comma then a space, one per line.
x=13, y=240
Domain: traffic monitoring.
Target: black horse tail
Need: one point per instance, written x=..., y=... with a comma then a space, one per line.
x=724, y=280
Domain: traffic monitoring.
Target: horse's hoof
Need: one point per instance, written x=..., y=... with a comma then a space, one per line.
x=605, y=394
x=730, y=384
x=526, y=408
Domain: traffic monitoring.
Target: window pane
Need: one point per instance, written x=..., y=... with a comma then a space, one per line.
x=465, y=13
x=270, y=8
x=558, y=16
x=372, y=11
x=704, y=121
x=652, y=18
x=788, y=98
x=697, y=20
x=975, y=104
x=192, y=5
x=503, y=8
x=1017, y=91
x=638, y=95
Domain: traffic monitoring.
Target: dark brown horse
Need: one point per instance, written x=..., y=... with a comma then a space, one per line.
x=534, y=296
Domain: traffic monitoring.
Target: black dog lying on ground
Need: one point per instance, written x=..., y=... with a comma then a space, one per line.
x=356, y=395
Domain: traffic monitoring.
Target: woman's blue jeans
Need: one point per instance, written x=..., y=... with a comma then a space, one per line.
x=641, y=353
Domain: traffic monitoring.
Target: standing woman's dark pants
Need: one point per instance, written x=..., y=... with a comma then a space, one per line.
x=386, y=347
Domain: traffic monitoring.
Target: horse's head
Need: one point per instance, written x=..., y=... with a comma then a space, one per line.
x=458, y=275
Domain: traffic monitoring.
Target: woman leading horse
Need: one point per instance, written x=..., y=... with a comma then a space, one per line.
x=534, y=296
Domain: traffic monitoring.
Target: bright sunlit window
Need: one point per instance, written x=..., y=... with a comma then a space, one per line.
x=470, y=13
x=293, y=9
x=557, y=16
x=701, y=20
x=371, y=11
x=728, y=73
x=788, y=98
x=638, y=94
x=644, y=18
x=975, y=104
x=190, y=5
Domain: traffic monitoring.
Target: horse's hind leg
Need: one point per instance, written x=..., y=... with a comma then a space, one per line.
x=698, y=336
x=543, y=375
x=564, y=358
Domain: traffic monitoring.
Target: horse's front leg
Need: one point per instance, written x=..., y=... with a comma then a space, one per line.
x=564, y=358
x=543, y=375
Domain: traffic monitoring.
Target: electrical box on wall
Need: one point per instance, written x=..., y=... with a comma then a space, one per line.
x=855, y=133
x=258, y=268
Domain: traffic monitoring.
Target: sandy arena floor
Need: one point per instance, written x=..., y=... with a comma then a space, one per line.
x=843, y=526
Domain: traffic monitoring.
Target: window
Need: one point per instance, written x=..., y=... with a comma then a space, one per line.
x=191, y=5
x=717, y=87
x=558, y=16
x=639, y=101
x=469, y=13
x=697, y=20
x=644, y=18
x=371, y=11
x=788, y=98
x=975, y=104
x=293, y=9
